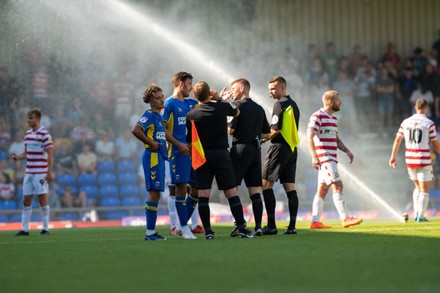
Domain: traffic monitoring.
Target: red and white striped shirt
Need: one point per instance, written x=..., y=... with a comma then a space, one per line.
x=36, y=144
x=418, y=131
x=325, y=128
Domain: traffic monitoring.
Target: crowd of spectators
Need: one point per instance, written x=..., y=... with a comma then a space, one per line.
x=89, y=111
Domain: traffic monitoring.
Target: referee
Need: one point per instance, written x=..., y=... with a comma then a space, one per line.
x=210, y=122
x=246, y=130
x=280, y=161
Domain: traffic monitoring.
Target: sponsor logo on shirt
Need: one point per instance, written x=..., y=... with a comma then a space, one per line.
x=160, y=135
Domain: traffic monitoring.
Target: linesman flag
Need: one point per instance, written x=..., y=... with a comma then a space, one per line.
x=197, y=153
x=289, y=130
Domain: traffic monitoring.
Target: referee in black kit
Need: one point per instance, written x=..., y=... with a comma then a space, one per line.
x=280, y=160
x=210, y=120
x=247, y=129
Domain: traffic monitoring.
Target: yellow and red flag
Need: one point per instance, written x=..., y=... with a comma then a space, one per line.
x=197, y=153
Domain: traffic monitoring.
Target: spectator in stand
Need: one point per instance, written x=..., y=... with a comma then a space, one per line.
x=365, y=82
x=422, y=93
x=289, y=58
x=17, y=146
x=5, y=167
x=315, y=72
x=45, y=121
x=385, y=89
x=100, y=125
x=83, y=130
x=5, y=134
x=431, y=81
x=101, y=92
x=7, y=188
x=4, y=80
x=419, y=61
x=20, y=108
x=391, y=56
x=344, y=65
x=436, y=48
x=65, y=160
x=319, y=89
x=87, y=160
x=19, y=172
x=125, y=146
x=407, y=85
x=13, y=91
x=330, y=60
x=61, y=124
x=105, y=148
x=77, y=111
x=295, y=81
x=312, y=53
x=40, y=88
x=347, y=89
x=71, y=200
x=122, y=93
x=356, y=60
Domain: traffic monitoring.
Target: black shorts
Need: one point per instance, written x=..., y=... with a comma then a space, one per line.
x=246, y=158
x=218, y=164
x=280, y=163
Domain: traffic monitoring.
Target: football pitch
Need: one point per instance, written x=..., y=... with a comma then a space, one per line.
x=373, y=257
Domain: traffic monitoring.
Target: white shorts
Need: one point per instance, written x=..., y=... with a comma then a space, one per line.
x=328, y=173
x=421, y=174
x=34, y=184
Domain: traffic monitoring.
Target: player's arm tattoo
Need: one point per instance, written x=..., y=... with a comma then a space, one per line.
x=341, y=145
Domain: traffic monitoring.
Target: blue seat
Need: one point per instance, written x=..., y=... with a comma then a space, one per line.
x=115, y=215
x=110, y=202
x=126, y=166
x=106, y=167
x=434, y=193
x=90, y=202
x=87, y=179
x=138, y=213
x=131, y=201
x=107, y=178
x=109, y=191
x=130, y=190
x=8, y=205
x=15, y=218
x=68, y=216
x=128, y=178
x=36, y=217
x=66, y=179
x=19, y=192
x=91, y=191
x=4, y=218
x=73, y=189
x=3, y=155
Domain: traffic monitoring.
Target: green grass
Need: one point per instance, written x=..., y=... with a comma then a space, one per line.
x=373, y=257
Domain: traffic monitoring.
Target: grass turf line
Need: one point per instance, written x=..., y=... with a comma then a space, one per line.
x=372, y=257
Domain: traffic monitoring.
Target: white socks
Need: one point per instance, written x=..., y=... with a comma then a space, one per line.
x=26, y=218
x=45, y=217
x=195, y=218
x=422, y=206
x=338, y=200
x=317, y=208
x=416, y=194
x=172, y=212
